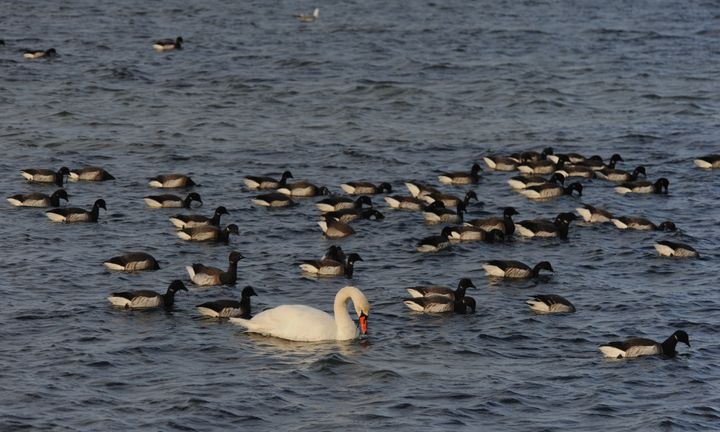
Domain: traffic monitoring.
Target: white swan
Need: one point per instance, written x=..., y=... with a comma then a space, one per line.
x=307, y=324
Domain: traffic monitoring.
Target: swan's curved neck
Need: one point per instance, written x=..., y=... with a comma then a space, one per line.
x=345, y=326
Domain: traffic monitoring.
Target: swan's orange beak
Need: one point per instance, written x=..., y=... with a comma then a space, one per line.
x=363, y=323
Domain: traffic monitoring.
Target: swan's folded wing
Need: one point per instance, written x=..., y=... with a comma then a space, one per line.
x=292, y=322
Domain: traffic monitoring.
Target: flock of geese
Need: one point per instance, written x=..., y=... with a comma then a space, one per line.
x=304, y=323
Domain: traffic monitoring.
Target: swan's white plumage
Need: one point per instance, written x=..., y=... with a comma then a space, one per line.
x=307, y=324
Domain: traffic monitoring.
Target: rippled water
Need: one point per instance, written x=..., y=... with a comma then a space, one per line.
x=383, y=91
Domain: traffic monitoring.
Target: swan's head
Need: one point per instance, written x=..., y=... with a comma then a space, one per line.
x=360, y=302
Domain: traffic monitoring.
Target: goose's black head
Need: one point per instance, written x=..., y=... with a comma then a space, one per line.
x=682, y=336
x=470, y=195
x=193, y=196
x=543, y=265
x=322, y=190
x=566, y=217
x=667, y=226
x=465, y=283
x=248, y=291
x=557, y=178
x=64, y=171
x=662, y=185
x=475, y=169
x=100, y=204
x=363, y=199
x=446, y=232
x=221, y=211
x=574, y=187
x=639, y=170
x=286, y=175
x=178, y=42
x=386, y=187
x=232, y=229
x=615, y=158
x=375, y=214
x=353, y=257
x=235, y=256
x=175, y=286
x=51, y=52
x=60, y=193
x=546, y=152
x=509, y=211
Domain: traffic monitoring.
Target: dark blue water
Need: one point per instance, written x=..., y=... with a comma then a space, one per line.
x=371, y=91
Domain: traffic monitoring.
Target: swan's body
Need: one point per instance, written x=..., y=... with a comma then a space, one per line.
x=307, y=324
